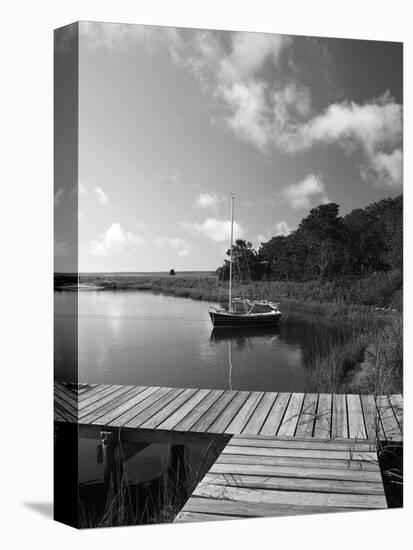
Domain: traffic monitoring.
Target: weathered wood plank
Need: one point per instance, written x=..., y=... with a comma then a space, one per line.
x=260, y=496
x=297, y=443
x=322, y=426
x=306, y=420
x=225, y=418
x=356, y=427
x=388, y=419
x=211, y=415
x=292, y=414
x=339, y=426
x=139, y=406
x=69, y=397
x=197, y=517
x=166, y=398
x=186, y=423
x=184, y=410
x=122, y=412
x=302, y=453
x=302, y=462
x=275, y=416
x=94, y=391
x=244, y=414
x=250, y=509
x=295, y=484
x=257, y=419
x=96, y=397
x=166, y=411
x=371, y=417
x=90, y=414
x=104, y=404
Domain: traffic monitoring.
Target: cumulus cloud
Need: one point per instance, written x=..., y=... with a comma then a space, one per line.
x=279, y=115
x=113, y=240
x=280, y=228
x=302, y=194
x=207, y=200
x=182, y=247
x=248, y=53
x=101, y=196
x=216, y=230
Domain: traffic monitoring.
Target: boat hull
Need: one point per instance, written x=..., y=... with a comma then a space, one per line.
x=239, y=320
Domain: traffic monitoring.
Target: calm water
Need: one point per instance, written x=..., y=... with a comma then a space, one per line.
x=145, y=338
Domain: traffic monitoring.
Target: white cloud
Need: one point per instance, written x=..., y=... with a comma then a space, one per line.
x=279, y=115
x=216, y=230
x=113, y=240
x=301, y=194
x=248, y=53
x=207, y=200
x=248, y=112
x=101, y=196
x=58, y=196
x=282, y=228
x=388, y=167
x=178, y=244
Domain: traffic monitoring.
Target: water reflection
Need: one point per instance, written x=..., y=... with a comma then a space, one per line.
x=142, y=338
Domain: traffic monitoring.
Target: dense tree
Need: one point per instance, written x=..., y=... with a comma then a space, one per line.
x=326, y=245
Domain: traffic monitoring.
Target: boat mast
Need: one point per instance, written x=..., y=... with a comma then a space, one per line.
x=230, y=263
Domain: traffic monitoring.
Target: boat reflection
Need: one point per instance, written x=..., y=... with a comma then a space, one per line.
x=245, y=335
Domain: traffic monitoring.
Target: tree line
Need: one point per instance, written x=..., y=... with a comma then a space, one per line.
x=326, y=245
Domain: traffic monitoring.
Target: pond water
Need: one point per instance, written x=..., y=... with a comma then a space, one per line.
x=146, y=338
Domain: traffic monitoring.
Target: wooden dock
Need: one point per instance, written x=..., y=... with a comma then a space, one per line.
x=278, y=453
x=259, y=476
x=225, y=412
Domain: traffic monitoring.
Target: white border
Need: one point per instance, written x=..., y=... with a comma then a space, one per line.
x=26, y=363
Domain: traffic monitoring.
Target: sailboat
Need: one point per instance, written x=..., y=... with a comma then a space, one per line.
x=243, y=312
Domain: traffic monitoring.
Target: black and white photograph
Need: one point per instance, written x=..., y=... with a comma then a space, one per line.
x=228, y=274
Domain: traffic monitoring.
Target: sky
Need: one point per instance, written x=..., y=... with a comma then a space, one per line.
x=171, y=121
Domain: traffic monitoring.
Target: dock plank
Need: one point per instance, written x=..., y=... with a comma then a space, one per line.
x=292, y=414
x=257, y=419
x=339, y=423
x=183, y=410
x=127, y=409
x=322, y=426
x=388, y=419
x=356, y=427
x=253, y=484
x=169, y=409
x=211, y=414
x=305, y=425
x=296, y=484
x=275, y=416
x=167, y=396
x=190, y=419
x=245, y=413
x=226, y=417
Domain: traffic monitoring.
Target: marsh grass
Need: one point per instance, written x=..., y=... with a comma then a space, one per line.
x=125, y=502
